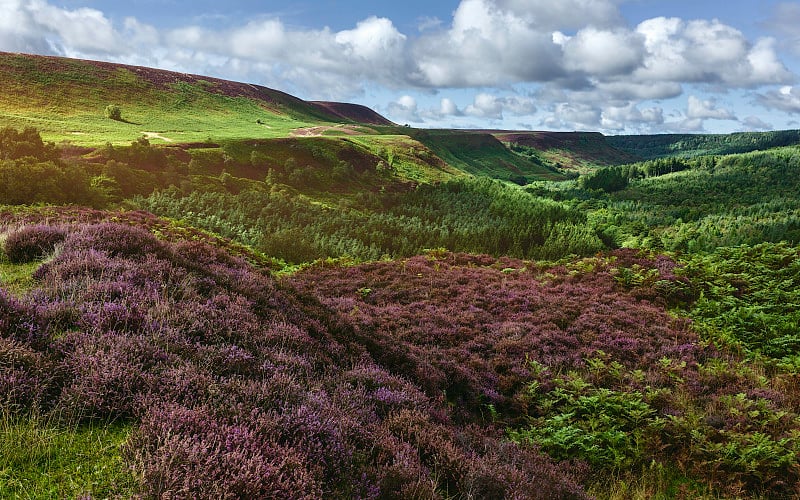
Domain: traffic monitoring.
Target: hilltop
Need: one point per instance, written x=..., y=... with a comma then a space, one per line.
x=68, y=101
x=67, y=98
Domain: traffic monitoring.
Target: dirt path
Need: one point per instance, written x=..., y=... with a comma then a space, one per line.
x=156, y=135
x=318, y=131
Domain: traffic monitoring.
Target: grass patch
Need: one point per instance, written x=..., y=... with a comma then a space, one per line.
x=483, y=154
x=408, y=158
x=17, y=278
x=39, y=459
x=656, y=482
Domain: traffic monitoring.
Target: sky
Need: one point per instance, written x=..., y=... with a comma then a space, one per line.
x=614, y=66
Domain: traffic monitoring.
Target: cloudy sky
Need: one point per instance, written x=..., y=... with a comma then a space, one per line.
x=617, y=66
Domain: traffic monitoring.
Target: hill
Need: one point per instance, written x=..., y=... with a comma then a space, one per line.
x=66, y=99
x=571, y=150
x=352, y=113
x=691, y=145
x=481, y=153
x=91, y=103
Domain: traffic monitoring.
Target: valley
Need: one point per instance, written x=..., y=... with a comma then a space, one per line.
x=225, y=291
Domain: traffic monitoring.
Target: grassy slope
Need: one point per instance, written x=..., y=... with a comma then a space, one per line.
x=573, y=150
x=481, y=154
x=690, y=145
x=66, y=99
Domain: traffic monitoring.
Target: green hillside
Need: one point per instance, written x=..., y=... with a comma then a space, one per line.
x=568, y=150
x=481, y=153
x=230, y=292
x=89, y=103
x=66, y=99
x=691, y=145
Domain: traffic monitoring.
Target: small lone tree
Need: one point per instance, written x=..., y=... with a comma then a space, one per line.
x=114, y=112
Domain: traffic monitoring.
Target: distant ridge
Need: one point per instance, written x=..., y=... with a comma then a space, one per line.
x=66, y=88
x=353, y=112
x=571, y=148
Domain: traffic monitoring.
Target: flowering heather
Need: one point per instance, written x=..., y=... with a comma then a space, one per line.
x=56, y=217
x=29, y=243
x=236, y=385
x=583, y=360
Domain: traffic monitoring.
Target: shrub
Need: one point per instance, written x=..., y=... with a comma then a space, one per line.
x=30, y=243
x=114, y=112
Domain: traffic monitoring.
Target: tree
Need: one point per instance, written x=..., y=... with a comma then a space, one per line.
x=114, y=112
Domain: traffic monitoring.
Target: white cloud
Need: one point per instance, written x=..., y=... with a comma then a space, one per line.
x=756, y=123
x=404, y=109
x=617, y=118
x=39, y=27
x=492, y=107
x=625, y=89
x=449, y=108
x=603, y=53
x=574, y=116
x=485, y=46
x=565, y=14
x=707, y=109
x=785, y=99
x=703, y=51
x=80, y=30
x=485, y=106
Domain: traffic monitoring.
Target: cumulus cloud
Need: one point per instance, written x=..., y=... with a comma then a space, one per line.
x=617, y=118
x=702, y=51
x=602, y=53
x=756, y=123
x=565, y=14
x=485, y=46
x=492, y=107
x=574, y=116
x=785, y=99
x=36, y=26
x=405, y=109
x=707, y=109
x=449, y=108
x=580, y=58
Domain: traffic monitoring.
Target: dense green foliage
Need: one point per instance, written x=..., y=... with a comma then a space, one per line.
x=750, y=297
x=716, y=202
x=480, y=216
x=593, y=360
x=689, y=145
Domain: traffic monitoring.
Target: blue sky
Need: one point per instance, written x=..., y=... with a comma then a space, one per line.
x=617, y=66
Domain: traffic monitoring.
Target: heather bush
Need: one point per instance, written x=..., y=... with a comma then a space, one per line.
x=24, y=377
x=117, y=240
x=19, y=322
x=190, y=453
x=234, y=385
x=581, y=360
x=30, y=243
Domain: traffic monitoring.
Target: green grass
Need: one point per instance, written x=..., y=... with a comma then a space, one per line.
x=66, y=99
x=655, y=482
x=17, y=278
x=41, y=459
x=482, y=154
x=409, y=158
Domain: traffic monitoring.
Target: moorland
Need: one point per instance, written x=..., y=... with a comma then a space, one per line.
x=217, y=290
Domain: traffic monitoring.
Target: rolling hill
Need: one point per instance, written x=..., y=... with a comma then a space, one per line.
x=229, y=292
x=66, y=100
x=570, y=149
